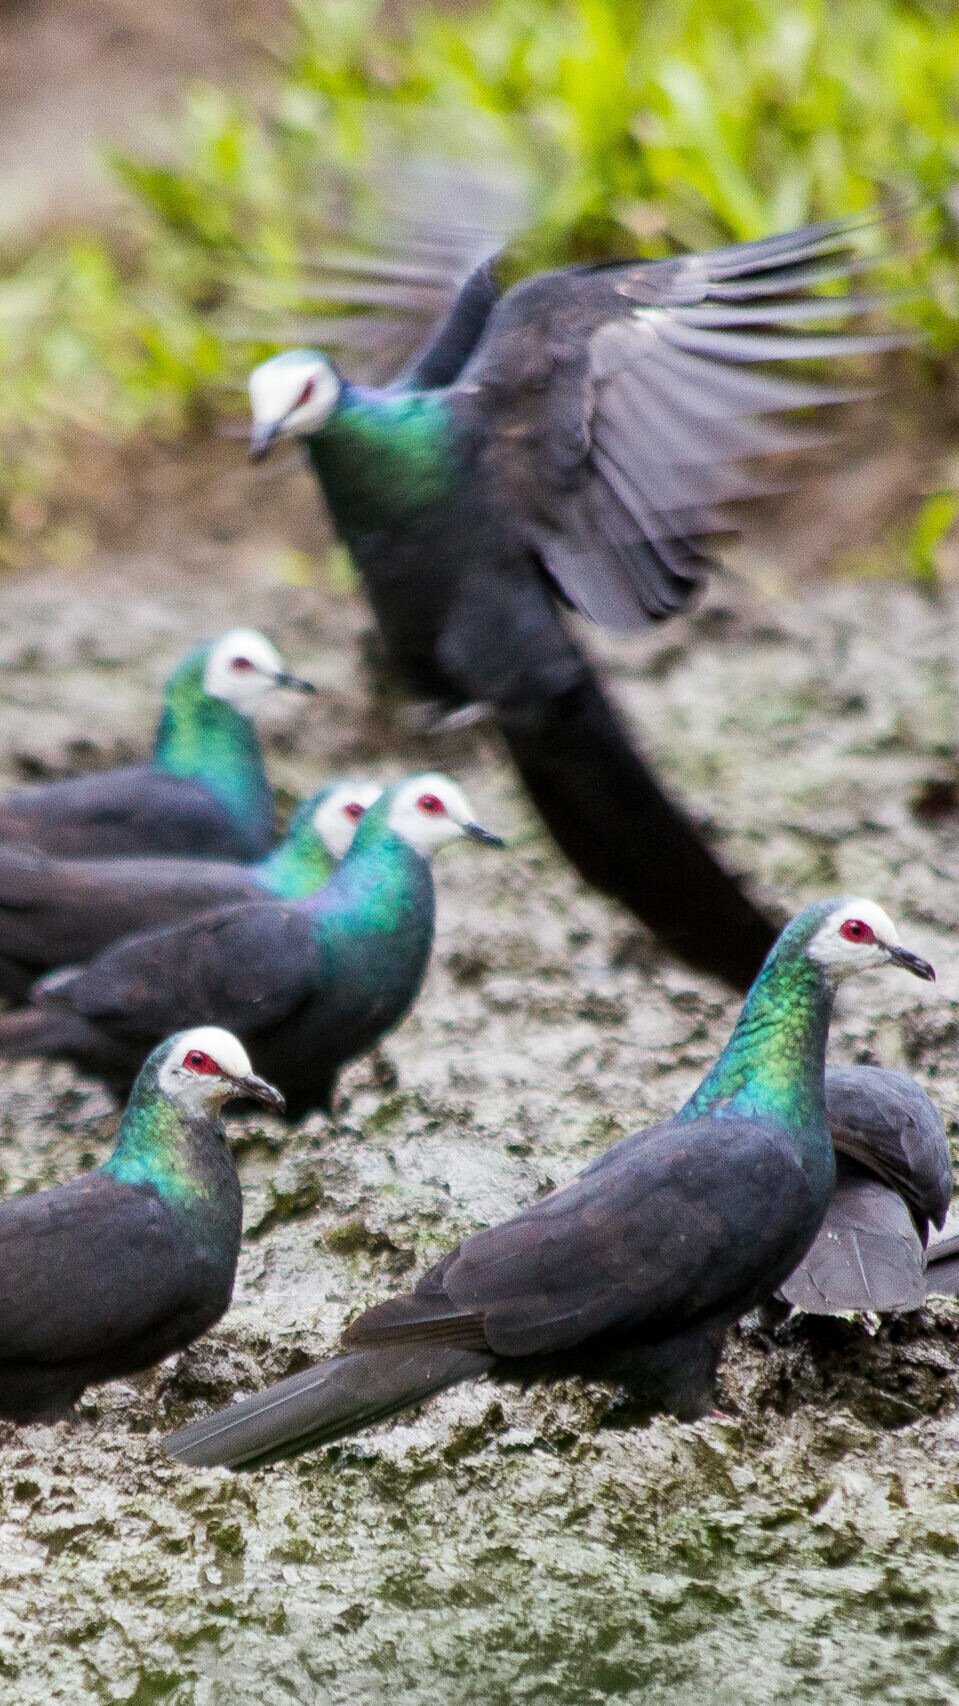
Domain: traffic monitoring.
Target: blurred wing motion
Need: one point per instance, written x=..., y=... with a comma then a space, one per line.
x=624, y=405
x=423, y=227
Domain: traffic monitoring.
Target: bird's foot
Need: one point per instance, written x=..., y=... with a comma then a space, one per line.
x=465, y=717
x=430, y=718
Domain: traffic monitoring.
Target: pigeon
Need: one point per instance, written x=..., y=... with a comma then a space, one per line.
x=56, y=912
x=114, y=1271
x=307, y=984
x=893, y=1176
x=204, y=792
x=635, y=1269
x=575, y=441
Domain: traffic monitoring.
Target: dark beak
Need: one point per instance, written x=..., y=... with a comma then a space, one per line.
x=912, y=962
x=253, y=1089
x=262, y=439
x=476, y=832
x=295, y=683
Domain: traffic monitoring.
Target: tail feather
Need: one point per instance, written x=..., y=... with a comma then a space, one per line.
x=333, y=1398
x=942, y=1261
x=612, y=819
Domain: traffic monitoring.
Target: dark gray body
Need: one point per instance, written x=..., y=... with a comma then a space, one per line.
x=304, y=984
x=589, y=460
x=130, y=811
x=894, y=1177
x=58, y=912
x=633, y=1272
x=99, y=1279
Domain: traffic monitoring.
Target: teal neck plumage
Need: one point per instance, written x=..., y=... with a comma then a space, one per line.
x=381, y=453
x=773, y=1065
x=206, y=740
x=383, y=888
x=157, y=1145
x=302, y=863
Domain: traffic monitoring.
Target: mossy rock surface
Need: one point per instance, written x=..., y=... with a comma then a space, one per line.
x=510, y=1545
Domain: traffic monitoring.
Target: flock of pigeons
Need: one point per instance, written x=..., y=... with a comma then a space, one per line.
x=572, y=441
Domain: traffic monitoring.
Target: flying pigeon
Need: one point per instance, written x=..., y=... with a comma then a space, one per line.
x=576, y=441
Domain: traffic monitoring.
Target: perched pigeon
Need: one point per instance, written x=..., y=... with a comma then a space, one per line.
x=307, y=984
x=893, y=1176
x=633, y=1270
x=114, y=1271
x=56, y=912
x=203, y=793
x=575, y=441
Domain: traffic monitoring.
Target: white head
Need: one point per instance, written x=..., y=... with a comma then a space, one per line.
x=291, y=395
x=243, y=667
x=336, y=817
x=858, y=936
x=427, y=811
x=206, y=1066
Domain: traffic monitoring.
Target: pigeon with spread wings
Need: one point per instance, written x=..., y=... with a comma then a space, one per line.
x=575, y=441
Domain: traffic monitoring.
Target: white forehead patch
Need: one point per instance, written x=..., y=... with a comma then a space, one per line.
x=296, y=391
x=332, y=820
x=241, y=668
x=841, y=955
x=428, y=811
x=222, y=1046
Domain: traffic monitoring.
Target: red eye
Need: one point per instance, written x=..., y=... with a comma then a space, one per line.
x=354, y=811
x=854, y=930
x=432, y=805
x=197, y=1061
x=305, y=394
x=241, y=664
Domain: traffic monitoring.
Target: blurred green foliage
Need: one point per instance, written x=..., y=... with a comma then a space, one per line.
x=635, y=127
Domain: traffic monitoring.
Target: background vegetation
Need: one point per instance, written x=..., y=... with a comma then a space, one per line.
x=613, y=126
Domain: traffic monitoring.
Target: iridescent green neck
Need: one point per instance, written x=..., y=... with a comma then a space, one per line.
x=382, y=888
x=207, y=740
x=773, y=1065
x=301, y=864
x=156, y=1145
x=381, y=453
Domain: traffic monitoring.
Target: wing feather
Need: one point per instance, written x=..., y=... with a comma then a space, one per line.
x=652, y=383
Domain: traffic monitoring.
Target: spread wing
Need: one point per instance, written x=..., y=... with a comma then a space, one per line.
x=886, y=1122
x=671, y=1230
x=620, y=407
x=82, y=1268
x=245, y=967
x=62, y=911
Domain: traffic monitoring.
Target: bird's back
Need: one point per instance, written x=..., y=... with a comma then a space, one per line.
x=129, y=811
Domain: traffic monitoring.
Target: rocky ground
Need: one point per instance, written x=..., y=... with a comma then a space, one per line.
x=506, y=1545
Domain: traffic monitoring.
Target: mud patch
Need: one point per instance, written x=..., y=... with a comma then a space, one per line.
x=503, y=1543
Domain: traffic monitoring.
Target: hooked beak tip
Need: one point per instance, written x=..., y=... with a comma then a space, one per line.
x=913, y=963
x=262, y=440
x=255, y=1089
x=476, y=832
